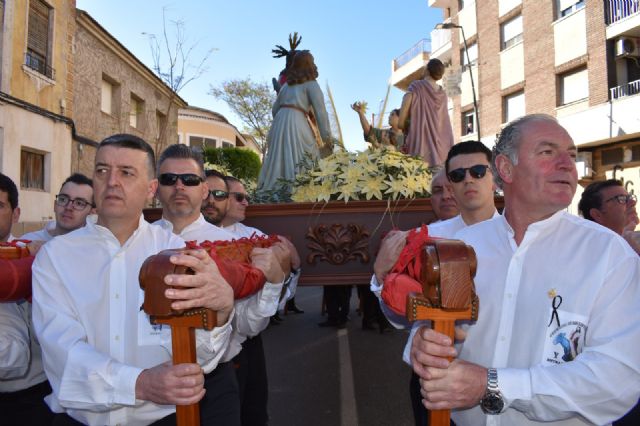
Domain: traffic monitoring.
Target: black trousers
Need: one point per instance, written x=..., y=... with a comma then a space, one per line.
x=26, y=407
x=337, y=298
x=220, y=405
x=251, y=371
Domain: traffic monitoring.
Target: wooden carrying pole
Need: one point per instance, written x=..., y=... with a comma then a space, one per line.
x=447, y=271
x=182, y=323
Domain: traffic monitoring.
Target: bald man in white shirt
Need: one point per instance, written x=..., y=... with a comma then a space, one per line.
x=559, y=322
x=106, y=362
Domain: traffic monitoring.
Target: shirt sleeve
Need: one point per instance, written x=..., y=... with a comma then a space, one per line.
x=81, y=377
x=253, y=312
x=601, y=383
x=398, y=321
x=212, y=344
x=15, y=353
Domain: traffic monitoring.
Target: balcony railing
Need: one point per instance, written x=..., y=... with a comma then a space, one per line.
x=628, y=89
x=420, y=47
x=39, y=63
x=617, y=10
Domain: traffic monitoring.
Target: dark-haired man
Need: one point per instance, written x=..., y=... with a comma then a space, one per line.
x=468, y=171
x=23, y=384
x=609, y=204
x=73, y=204
x=559, y=321
x=106, y=362
x=215, y=206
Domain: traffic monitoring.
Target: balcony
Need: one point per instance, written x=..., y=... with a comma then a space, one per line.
x=410, y=65
x=440, y=3
x=624, y=90
x=622, y=17
x=38, y=63
x=441, y=44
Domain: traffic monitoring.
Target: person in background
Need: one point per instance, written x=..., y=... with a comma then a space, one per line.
x=380, y=137
x=609, y=204
x=556, y=338
x=443, y=201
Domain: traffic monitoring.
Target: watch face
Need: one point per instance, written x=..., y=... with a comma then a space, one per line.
x=492, y=403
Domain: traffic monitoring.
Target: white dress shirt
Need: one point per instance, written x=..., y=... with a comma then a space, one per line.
x=569, y=361
x=20, y=354
x=95, y=338
x=252, y=312
x=43, y=234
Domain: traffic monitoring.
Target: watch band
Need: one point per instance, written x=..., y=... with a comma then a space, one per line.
x=492, y=380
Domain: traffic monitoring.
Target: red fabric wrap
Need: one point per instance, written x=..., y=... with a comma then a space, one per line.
x=234, y=262
x=405, y=275
x=15, y=278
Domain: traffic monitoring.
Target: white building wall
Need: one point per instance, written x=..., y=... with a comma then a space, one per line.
x=570, y=37
x=511, y=66
x=22, y=128
x=466, y=97
x=505, y=6
x=467, y=19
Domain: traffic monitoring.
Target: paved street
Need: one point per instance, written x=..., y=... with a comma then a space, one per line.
x=324, y=376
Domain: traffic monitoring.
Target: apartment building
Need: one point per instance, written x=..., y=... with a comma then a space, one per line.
x=578, y=60
x=36, y=99
x=199, y=127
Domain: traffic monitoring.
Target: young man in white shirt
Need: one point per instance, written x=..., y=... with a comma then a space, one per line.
x=182, y=190
x=73, y=204
x=610, y=205
x=469, y=177
x=106, y=362
x=23, y=384
x=559, y=320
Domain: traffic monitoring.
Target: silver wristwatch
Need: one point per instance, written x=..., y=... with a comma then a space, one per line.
x=492, y=402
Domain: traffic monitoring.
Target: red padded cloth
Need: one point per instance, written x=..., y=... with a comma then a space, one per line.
x=15, y=272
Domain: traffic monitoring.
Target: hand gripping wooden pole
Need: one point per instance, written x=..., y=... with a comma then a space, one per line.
x=182, y=323
x=448, y=294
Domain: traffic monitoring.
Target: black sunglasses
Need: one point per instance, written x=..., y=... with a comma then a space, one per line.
x=477, y=172
x=219, y=194
x=188, y=179
x=240, y=197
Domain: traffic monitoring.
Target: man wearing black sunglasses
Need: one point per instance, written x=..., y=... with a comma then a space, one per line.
x=215, y=206
x=609, y=204
x=558, y=328
x=467, y=168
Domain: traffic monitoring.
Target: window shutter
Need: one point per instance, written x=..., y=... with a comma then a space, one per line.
x=38, y=36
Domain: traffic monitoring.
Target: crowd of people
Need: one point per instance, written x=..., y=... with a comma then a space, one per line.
x=554, y=341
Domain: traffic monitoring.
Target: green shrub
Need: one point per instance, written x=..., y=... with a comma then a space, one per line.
x=243, y=164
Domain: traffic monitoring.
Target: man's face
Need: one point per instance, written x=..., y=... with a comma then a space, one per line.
x=180, y=200
x=472, y=193
x=67, y=217
x=442, y=199
x=545, y=178
x=8, y=216
x=122, y=183
x=237, y=209
x=212, y=209
x=612, y=214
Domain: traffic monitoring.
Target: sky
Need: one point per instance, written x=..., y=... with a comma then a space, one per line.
x=353, y=43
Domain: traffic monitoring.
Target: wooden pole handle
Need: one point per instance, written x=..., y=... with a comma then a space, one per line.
x=442, y=417
x=183, y=342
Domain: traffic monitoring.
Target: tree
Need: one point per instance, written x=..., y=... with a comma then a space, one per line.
x=252, y=102
x=178, y=68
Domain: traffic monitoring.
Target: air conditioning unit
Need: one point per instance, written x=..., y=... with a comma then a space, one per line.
x=628, y=47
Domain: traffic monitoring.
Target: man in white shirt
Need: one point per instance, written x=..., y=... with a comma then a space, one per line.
x=23, y=384
x=215, y=206
x=443, y=200
x=182, y=190
x=469, y=177
x=559, y=321
x=246, y=349
x=73, y=204
x=106, y=362
x=608, y=203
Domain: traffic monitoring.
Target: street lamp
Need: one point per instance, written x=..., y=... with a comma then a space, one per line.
x=448, y=26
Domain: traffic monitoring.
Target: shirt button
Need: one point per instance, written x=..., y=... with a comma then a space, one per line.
x=117, y=296
x=117, y=338
x=502, y=338
x=509, y=295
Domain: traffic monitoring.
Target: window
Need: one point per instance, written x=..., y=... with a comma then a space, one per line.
x=567, y=7
x=202, y=142
x=227, y=145
x=468, y=123
x=473, y=56
x=38, y=56
x=136, y=112
x=106, y=97
x=161, y=124
x=574, y=86
x=513, y=106
x=31, y=170
x=511, y=32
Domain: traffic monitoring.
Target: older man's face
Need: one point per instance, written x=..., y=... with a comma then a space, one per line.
x=214, y=209
x=545, y=178
x=613, y=214
x=442, y=199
